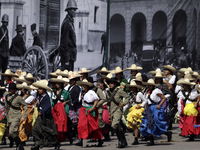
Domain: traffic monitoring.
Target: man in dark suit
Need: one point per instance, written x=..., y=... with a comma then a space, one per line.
x=36, y=37
x=18, y=45
x=4, y=44
x=68, y=49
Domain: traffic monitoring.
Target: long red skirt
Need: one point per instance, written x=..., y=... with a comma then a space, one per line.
x=88, y=126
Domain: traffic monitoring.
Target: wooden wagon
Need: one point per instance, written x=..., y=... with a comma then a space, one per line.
x=36, y=61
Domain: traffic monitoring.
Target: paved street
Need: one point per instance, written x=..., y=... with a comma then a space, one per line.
x=177, y=143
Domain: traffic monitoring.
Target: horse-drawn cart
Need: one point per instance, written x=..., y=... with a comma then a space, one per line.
x=36, y=61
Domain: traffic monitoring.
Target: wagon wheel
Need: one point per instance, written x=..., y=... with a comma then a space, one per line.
x=56, y=62
x=35, y=62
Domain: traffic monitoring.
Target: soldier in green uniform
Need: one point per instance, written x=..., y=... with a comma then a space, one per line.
x=13, y=102
x=115, y=97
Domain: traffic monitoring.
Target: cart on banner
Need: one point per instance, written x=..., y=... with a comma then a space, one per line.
x=36, y=61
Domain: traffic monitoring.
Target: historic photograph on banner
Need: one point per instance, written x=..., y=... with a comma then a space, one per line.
x=41, y=37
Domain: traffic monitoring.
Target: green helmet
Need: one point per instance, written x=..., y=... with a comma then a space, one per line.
x=71, y=4
x=5, y=18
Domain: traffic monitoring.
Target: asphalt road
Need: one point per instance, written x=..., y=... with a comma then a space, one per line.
x=177, y=143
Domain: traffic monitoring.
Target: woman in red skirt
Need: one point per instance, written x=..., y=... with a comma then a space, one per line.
x=88, y=126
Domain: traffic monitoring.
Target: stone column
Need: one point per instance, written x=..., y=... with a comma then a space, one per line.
x=169, y=30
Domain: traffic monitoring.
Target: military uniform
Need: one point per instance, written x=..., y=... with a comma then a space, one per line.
x=14, y=114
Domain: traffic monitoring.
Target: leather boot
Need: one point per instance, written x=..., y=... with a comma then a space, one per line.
x=80, y=143
x=57, y=147
x=151, y=141
x=100, y=142
x=124, y=142
x=3, y=141
x=169, y=136
x=120, y=144
x=135, y=142
x=11, y=141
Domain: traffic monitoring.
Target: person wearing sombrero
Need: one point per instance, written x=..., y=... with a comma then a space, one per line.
x=75, y=100
x=134, y=70
x=119, y=76
x=190, y=108
x=30, y=101
x=115, y=102
x=29, y=77
x=8, y=78
x=88, y=127
x=103, y=71
x=19, y=73
x=13, y=104
x=18, y=45
x=84, y=74
x=153, y=122
x=135, y=115
x=139, y=79
x=59, y=100
x=44, y=130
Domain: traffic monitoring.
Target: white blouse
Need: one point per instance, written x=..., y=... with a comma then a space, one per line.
x=29, y=99
x=172, y=80
x=89, y=97
x=192, y=95
x=154, y=97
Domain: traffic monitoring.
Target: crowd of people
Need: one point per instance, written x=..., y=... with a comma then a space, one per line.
x=70, y=105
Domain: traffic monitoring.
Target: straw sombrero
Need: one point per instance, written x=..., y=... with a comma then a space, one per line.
x=85, y=82
x=84, y=70
x=72, y=76
x=134, y=67
x=183, y=70
x=2, y=88
x=42, y=84
x=158, y=75
x=103, y=70
x=66, y=80
x=64, y=73
x=117, y=70
x=188, y=76
x=33, y=87
x=20, y=79
x=55, y=73
x=133, y=84
x=108, y=76
x=8, y=73
x=138, y=77
x=169, y=67
x=29, y=76
x=154, y=72
x=185, y=81
x=19, y=73
x=76, y=74
x=59, y=79
x=150, y=82
x=195, y=74
x=23, y=86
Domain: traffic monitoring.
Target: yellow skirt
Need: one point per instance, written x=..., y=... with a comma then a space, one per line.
x=190, y=110
x=134, y=117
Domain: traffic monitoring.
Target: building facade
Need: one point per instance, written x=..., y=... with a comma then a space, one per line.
x=164, y=22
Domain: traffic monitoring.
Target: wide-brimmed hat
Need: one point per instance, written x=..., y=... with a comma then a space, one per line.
x=59, y=79
x=169, y=67
x=154, y=72
x=103, y=70
x=8, y=73
x=77, y=74
x=195, y=74
x=183, y=70
x=20, y=79
x=33, y=87
x=108, y=76
x=84, y=70
x=150, y=82
x=138, y=77
x=188, y=76
x=64, y=73
x=29, y=76
x=134, y=67
x=133, y=84
x=183, y=81
x=117, y=70
x=180, y=75
x=73, y=75
x=158, y=75
x=42, y=84
x=19, y=72
x=2, y=87
x=85, y=82
x=23, y=86
x=55, y=73
x=66, y=80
